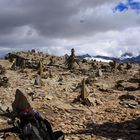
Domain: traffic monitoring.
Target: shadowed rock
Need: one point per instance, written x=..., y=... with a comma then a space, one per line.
x=20, y=62
x=130, y=101
x=21, y=102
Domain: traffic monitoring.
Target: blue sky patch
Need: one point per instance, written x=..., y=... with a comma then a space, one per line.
x=129, y=4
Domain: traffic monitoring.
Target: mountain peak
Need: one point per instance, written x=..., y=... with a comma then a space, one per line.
x=127, y=54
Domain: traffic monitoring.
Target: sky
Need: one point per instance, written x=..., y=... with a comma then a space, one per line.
x=96, y=27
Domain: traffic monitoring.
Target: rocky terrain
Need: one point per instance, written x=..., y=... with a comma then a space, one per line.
x=106, y=106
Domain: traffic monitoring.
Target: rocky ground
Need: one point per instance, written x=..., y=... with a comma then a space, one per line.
x=114, y=95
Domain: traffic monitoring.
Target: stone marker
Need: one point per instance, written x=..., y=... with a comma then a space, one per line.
x=99, y=73
x=40, y=69
x=2, y=70
x=112, y=65
x=71, y=59
x=4, y=81
x=84, y=94
x=37, y=80
x=21, y=102
x=128, y=66
x=50, y=73
x=13, y=67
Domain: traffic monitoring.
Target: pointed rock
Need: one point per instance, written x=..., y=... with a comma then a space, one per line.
x=21, y=102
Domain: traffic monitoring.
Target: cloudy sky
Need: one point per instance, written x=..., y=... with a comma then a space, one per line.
x=97, y=27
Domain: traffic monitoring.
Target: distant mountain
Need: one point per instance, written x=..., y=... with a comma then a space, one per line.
x=84, y=56
x=126, y=57
x=127, y=54
x=133, y=59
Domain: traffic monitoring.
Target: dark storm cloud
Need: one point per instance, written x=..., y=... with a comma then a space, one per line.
x=53, y=18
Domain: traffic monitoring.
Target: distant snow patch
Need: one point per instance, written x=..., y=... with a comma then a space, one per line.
x=98, y=59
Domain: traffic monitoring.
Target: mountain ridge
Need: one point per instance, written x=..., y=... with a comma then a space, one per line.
x=126, y=57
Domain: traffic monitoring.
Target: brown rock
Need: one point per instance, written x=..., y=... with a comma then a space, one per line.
x=21, y=102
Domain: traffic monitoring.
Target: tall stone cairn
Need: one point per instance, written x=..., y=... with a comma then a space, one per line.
x=84, y=94
x=83, y=90
x=40, y=69
x=71, y=59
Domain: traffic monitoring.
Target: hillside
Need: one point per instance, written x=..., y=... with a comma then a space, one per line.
x=114, y=94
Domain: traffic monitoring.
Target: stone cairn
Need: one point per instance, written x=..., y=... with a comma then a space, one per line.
x=40, y=69
x=84, y=94
x=13, y=67
x=2, y=70
x=119, y=67
x=4, y=81
x=113, y=65
x=20, y=62
x=38, y=80
x=71, y=59
x=99, y=73
x=50, y=73
x=94, y=64
x=128, y=66
x=52, y=61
